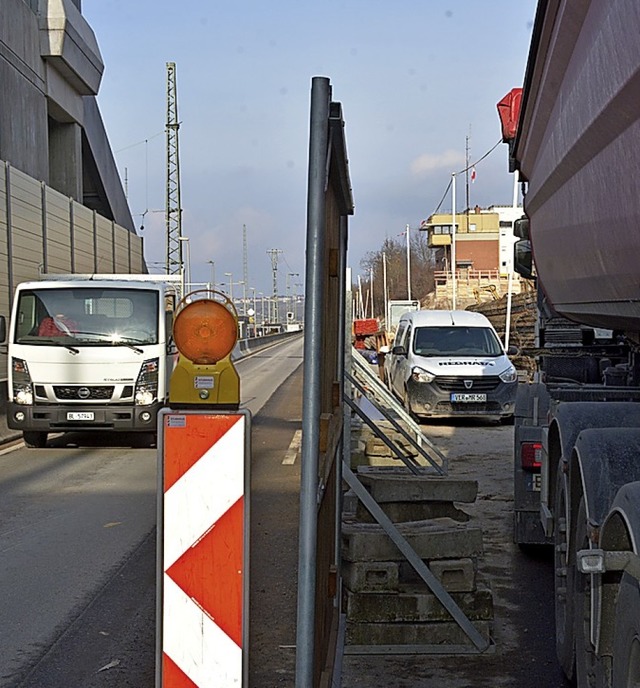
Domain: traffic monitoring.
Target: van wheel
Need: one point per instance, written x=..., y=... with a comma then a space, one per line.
x=407, y=405
x=35, y=440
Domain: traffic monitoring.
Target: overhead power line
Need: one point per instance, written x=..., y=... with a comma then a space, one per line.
x=468, y=167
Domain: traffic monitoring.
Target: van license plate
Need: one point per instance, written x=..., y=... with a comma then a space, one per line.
x=469, y=398
x=80, y=415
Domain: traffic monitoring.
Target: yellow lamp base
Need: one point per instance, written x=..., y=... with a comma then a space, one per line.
x=204, y=385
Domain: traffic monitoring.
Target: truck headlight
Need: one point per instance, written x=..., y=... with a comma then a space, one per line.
x=421, y=375
x=147, y=383
x=22, y=387
x=509, y=375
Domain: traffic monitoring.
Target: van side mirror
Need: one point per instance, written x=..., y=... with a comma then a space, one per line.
x=523, y=259
x=3, y=329
x=513, y=350
x=399, y=351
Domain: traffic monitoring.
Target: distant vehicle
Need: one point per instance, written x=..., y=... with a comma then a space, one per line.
x=451, y=363
x=90, y=353
x=396, y=309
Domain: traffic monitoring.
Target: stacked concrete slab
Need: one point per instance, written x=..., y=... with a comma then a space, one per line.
x=387, y=603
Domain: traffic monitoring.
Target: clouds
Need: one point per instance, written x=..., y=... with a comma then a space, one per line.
x=412, y=78
x=448, y=161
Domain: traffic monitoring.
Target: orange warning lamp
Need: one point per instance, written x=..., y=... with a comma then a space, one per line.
x=205, y=330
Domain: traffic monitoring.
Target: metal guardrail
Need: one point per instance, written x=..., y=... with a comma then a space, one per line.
x=370, y=385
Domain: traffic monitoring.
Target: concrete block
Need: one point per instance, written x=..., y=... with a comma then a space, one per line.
x=415, y=607
x=370, y=577
x=456, y=575
x=404, y=486
x=400, y=512
x=433, y=539
x=443, y=633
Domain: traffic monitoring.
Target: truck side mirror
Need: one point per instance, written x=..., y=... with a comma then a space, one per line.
x=399, y=351
x=521, y=228
x=523, y=259
x=3, y=329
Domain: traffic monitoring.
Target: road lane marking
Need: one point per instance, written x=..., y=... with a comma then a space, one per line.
x=294, y=448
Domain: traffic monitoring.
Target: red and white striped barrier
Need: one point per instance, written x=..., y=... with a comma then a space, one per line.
x=203, y=540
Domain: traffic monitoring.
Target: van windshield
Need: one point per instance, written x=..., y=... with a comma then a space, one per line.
x=87, y=316
x=456, y=341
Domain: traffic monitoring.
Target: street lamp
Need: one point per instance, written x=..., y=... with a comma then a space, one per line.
x=186, y=270
x=213, y=273
x=230, y=276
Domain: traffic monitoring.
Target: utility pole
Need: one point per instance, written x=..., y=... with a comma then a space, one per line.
x=173, y=208
x=245, y=269
x=290, y=274
x=274, y=252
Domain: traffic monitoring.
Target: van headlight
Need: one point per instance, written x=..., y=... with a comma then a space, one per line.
x=22, y=387
x=509, y=375
x=421, y=375
x=147, y=383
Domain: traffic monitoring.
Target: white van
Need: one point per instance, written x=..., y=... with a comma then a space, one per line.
x=451, y=363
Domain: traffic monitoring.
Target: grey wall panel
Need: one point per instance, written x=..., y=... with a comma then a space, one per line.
x=104, y=242
x=137, y=258
x=122, y=249
x=82, y=238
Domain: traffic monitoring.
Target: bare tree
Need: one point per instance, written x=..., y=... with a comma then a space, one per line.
x=395, y=254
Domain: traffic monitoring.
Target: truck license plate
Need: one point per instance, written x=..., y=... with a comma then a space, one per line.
x=80, y=415
x=469, y=398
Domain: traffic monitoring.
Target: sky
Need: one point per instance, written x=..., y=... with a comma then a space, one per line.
x=418, y=81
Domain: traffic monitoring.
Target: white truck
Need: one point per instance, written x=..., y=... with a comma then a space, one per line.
x=90, y=353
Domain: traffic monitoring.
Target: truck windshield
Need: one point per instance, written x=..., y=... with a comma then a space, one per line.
x=456, y=341
x=87, y=316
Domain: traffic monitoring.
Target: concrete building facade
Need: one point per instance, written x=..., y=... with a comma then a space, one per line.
x=483, y=252
x=62, y=204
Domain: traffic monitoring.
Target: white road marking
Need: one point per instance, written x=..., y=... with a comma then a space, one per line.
x=294, y=448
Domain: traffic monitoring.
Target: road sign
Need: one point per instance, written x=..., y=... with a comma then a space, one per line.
x=203, y=546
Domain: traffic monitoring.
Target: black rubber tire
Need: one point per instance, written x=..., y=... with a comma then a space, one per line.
x=34, y=439
x=626, y=643
x=563, y=581
x=407, y=405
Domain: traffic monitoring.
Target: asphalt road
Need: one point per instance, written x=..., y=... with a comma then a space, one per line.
x=77, y=535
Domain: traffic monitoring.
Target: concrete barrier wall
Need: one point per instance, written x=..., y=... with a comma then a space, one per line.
x=243, y=348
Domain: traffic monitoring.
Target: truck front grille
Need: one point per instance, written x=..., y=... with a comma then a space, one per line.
x=479, y=384
x=83, y=393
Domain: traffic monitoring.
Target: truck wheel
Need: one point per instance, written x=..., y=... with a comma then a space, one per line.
x=34, y=439
x=626, y=643
x=589, y=670
x=563, y=580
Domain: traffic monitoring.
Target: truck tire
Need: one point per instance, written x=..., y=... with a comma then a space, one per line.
x=626, y=643
x=563, y=581
x=591, y=672
x=34, y=439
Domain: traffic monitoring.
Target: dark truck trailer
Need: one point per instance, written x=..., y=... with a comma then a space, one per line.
x=573, y=133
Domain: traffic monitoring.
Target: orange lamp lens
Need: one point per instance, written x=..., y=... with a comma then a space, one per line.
x=205, y=331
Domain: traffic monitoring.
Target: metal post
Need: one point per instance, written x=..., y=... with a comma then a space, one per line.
x=311, y=404
x=453, y=240
x=408, y=266
x=384, y=286
x=213, y=273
